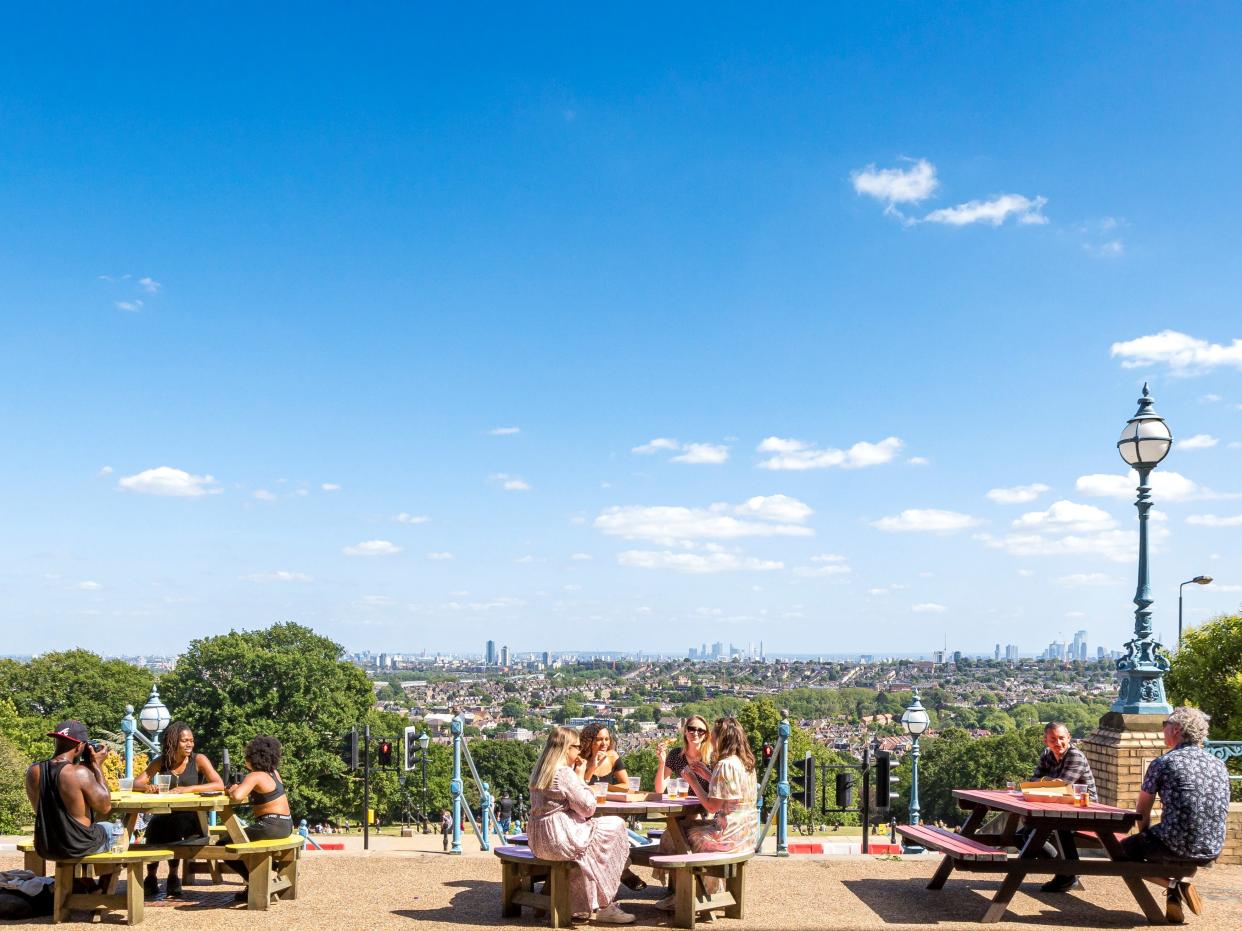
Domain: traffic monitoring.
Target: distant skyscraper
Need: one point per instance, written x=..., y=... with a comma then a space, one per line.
x=694, y=653
x=489, y=656
x=761, y=649
x=547, y=658
x=957, y=657
x=504, y=655
x=718, y=649
x=996, y=652
x=1099, y=653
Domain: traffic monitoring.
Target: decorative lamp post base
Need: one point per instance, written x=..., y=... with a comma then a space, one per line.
x=1140, y=676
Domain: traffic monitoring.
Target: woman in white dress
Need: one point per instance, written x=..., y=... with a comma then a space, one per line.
x=561, y=827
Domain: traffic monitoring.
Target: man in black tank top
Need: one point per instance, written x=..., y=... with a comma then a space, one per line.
x=67, y=792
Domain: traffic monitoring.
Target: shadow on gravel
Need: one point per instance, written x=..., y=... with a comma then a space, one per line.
x=477, y=904
x=910, y=902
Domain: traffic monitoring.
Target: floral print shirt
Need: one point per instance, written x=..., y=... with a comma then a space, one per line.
x=1193, y=787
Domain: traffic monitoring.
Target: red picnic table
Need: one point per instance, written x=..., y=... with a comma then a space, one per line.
x=971, y=851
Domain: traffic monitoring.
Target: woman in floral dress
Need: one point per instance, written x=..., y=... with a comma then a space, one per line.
x=561, y=828
x=729, y=800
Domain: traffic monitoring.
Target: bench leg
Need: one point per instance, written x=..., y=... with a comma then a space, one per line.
x=735, y=885
x=35, y=863
x=684, y=914
x=509, y=885
x=562, y=912
x=133, y=893
x=61, y=890
x=941, y=876
x=289, y=871
x=258, y=893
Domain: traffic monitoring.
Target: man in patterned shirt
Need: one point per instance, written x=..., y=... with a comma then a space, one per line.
x=1062, y=760
x=1193, y=787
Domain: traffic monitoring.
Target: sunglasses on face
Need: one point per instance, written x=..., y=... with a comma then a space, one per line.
x=574, y=747
x=696, y=730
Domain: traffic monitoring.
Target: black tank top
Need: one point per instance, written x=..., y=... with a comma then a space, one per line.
x=189, y=776
x=58, y=835
x=262, y=798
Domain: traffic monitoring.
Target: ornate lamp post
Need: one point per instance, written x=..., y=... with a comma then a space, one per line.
x=915, y=720
x=1144, y=442
x=153, y=718
x=424, y=739
x=1197, y=580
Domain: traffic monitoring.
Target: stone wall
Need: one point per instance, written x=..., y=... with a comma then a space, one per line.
x=1119, y=752
x=1233, y=837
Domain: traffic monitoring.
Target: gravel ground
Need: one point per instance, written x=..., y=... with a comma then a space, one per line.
x=392, y=889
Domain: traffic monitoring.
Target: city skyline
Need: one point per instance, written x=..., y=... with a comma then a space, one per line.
x=818, y=331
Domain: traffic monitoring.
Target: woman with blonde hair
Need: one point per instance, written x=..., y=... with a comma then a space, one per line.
x=695, y=755
x=729, y=800
x=561, y=827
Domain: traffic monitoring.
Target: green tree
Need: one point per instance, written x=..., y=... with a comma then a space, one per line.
x=15, y=813
x=955, y=760
x=75, y=684
x=286, y=681
x=505, y=765
x=1207, y=672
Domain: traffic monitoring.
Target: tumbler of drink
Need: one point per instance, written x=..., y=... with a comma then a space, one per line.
x=1080, y=795
x=601, y=791
x=162, y=783
x=636, y=783
x=125, y=785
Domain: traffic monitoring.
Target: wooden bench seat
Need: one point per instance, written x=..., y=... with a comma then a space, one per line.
x=520, y=840
x=31, y=859
x=950, y=843
x=273, y=867
x=520, y=869
x=107, y=866
x=690, y=895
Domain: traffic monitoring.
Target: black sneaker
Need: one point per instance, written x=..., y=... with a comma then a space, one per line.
x=172, y=887
x=1059, y=884
x=150, y=886
x=1173, y=913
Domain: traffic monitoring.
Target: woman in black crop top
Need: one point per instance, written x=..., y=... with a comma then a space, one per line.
x=266, y=794
x=188, y=772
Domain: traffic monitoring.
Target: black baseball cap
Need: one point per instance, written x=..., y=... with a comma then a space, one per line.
x=71, y=730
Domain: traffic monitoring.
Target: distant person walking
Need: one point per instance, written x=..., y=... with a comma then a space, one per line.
x=504, y=813
x=446, y=827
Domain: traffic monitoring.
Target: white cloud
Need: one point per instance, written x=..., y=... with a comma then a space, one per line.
x=406, y=518
x=131, y=307
x=1119, y=546
x=695, y=563
x=87, y=585
x=105, y=470
x=1165, y=486
x=995, y=211
x=918, y=461
x=775, y=507
x=1086, y=579
x=1211, y=399
x=929, y=520
x=928, y=607
x=1017, y=494
x=581, y=557
x=1068, y=517
x=169, y=482
x=372, y=548
x=510, y=482
x=828, y=564
x=440, y=557
x=878, y=592
x=703, y=454
x=1212, y=520
x=776, y=516
x=262, y=494
x=150, y=285
x=280, y=575
x=1109, y=249
x=895, y=186
x=1198, y=441
x=330, y=486
x=659, y=443
x=795, y=455
x=1183, y=354
x=504, y=431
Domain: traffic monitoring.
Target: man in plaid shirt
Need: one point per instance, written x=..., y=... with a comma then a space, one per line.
x=1061, y=760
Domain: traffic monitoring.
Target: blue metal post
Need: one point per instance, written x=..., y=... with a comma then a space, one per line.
x=458, y=725
x=128, y=726
x=485, y=798
x=914, y=792
x=782, y=787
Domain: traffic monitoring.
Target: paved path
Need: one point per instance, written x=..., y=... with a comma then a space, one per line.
x=407, y=889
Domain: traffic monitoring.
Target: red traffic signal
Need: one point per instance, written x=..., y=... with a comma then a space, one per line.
x=385, y=753
x=768, y=750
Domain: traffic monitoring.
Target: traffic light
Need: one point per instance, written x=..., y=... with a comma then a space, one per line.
x=768, y=750
x=885, y=778
x=845, y=790
x=385, y=753
x=802, y=781
x=349, y=749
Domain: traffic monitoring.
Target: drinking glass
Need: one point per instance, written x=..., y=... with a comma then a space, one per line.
x=680, y=788
x=125, y=785
x=1011, y=786
x=162, y=782
x=636, y=783
x=601, y=791
x=1080, y=794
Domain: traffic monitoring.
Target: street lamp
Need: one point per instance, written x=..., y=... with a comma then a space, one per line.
x=915, y=720
x=1144, y=442
x=154, y=716
x=424, y=739
x=1197, y=580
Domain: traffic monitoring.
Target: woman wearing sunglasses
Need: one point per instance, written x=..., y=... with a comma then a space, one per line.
x=561, y=827
x=694, y=755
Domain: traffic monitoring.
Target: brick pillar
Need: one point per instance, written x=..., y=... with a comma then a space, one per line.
x=1119, y=751
x=1232, y=853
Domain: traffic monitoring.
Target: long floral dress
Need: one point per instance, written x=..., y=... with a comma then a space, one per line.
x=735, y=827
x=561, y=828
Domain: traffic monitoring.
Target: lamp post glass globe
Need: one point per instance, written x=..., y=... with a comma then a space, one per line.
x=1146, y=438
x=154, y=717
x=915, y=719
x=423, y=740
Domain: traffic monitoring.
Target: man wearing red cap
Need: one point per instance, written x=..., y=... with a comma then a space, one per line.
x=67, y=792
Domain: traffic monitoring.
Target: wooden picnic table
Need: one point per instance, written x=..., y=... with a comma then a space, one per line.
x=1105, y=822
x=672, y=811
x=132, y=804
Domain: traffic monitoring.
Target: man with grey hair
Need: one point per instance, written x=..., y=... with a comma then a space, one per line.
x=1193, y=787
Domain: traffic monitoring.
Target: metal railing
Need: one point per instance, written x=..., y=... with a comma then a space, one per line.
x=484, y=825
x=1225, y=750
x=779, y=761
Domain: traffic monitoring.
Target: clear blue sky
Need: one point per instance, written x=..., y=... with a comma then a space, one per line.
x=275, y=277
